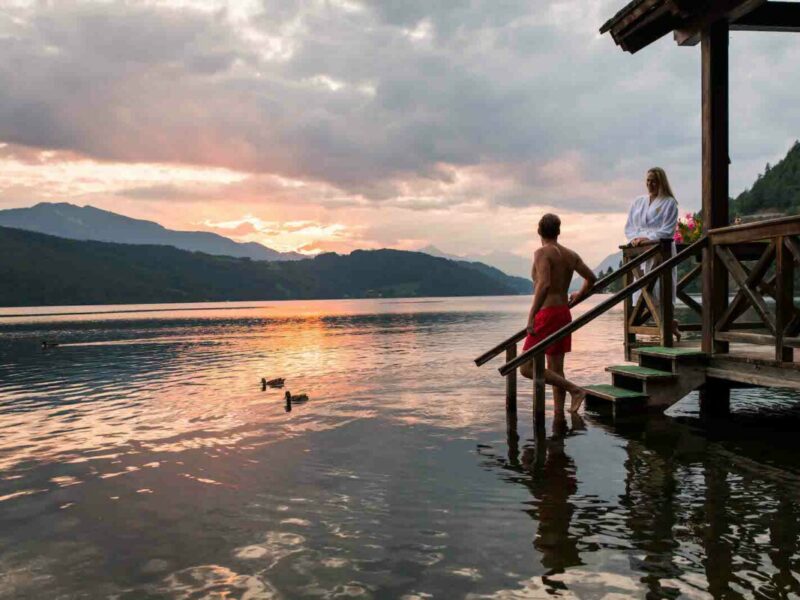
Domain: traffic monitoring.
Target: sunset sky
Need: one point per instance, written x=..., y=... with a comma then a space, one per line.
x=318, y=125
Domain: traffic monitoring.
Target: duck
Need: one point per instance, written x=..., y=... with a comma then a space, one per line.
x=46, y=344
x=297, y=398
x=273, y=383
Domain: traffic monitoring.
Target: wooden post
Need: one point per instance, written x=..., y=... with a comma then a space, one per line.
x=629, y=339
x=666, y=307
x=784, y=296
x=538, y=388
x=715, y=174
x=511, y=381
x=512, y=437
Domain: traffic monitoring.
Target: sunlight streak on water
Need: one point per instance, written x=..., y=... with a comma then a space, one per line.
x=140, y=458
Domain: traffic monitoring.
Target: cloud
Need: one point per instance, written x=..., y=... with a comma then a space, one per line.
x=326, y=110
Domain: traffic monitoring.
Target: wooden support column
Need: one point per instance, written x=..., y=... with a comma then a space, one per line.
x=715, y=174
x=784, y=296
x=666, y=307
x=627, y=309
x=538, y=388
x=511, y=381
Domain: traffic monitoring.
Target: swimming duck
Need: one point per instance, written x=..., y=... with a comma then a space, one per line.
x=46, y=344
x=273, y=383
x=298, y=398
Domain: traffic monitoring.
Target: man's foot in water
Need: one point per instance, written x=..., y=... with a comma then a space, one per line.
x=578, y=396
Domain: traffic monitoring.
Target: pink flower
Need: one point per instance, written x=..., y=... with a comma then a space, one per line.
x=691, y=225
x=688, y=216
x=678, y=237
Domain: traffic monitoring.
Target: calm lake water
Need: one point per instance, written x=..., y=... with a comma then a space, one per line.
x=140, y=459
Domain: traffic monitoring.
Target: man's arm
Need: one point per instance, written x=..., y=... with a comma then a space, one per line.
x=541, y=271
x=589, y=279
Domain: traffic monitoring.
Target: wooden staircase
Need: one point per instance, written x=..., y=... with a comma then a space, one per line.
x=662, y=377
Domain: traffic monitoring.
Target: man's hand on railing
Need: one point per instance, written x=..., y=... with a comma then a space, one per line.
x=574, y=298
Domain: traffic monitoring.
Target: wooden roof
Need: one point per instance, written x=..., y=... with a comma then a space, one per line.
x=642, y=22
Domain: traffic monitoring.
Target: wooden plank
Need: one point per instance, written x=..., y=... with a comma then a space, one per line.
x=538, y=387
x=511, y=381
x=739, y=275
x=644, y=330
x=665, y=296
x=745, y=337
x=604, y=306
x=736, y=308
x=770, y=16
x=687, y=279
x=793, y=246
x=784, y=297
x=714, y=71
x=628, y=338
x=713, y=13
x=752, y=232
x=690, y=302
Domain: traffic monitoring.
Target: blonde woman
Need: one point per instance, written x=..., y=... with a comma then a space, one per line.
x=653, y=217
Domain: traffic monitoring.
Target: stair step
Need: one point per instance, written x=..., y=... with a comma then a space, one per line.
x=614, y=394
x=638, y=372
x=672, y=353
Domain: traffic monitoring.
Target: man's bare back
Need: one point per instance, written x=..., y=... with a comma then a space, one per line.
x=556, y=264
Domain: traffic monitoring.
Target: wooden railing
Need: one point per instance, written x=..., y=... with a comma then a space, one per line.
x=773, y=249
x=510, y=345
x=652, y=314
x=663, y=272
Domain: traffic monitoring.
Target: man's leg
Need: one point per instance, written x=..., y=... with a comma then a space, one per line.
x=555, y=363
x=557, y=381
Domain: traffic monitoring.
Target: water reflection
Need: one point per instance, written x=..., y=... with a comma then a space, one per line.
x=693, y=518
x=142, y=459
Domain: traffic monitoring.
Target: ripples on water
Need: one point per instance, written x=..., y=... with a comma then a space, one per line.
x=140, y=459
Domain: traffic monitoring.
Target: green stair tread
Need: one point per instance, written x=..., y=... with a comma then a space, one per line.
x=617, y=393
x=669, y=352
x=640, y=372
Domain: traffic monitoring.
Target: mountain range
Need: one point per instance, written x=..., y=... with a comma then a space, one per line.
x=89, y=223
x=42, y=270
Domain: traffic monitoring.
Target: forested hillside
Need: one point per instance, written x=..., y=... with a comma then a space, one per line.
x=39, y=270
x=777, y=190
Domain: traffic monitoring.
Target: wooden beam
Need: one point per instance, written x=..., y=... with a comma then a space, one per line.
x=739, y=275
x=511, y=381
x=714, y=67
x=784, y=298
x=746, y=337
x=752, y=232
x=717, y=12
x=770, y=16
x=736, y=308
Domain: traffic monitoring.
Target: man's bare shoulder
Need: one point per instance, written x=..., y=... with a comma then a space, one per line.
x=567, y=254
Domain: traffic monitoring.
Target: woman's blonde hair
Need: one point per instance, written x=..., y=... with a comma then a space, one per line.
x=663, y=183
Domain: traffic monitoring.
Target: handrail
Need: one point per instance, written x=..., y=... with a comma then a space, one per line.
x=598, y=310
x=599, y=285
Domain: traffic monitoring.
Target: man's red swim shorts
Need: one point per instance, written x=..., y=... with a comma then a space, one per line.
x=546, y=322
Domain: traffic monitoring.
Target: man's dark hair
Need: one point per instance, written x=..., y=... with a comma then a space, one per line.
x=550, y=226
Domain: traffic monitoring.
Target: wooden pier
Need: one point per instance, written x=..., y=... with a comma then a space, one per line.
x=746, y=340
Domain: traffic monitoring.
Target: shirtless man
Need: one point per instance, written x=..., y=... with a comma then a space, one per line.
x=553, y=266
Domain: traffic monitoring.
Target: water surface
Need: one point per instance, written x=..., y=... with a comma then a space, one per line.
x=140, y=459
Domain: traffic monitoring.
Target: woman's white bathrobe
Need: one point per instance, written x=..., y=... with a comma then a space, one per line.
x=654, y=220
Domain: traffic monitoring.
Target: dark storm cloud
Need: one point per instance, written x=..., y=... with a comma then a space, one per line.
x=365, y=96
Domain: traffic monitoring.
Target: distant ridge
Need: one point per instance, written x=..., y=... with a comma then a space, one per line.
x=89, y=223
x=510, y=263
x=46, y=270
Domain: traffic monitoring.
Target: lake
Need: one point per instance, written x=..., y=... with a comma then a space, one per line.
x=140, y=459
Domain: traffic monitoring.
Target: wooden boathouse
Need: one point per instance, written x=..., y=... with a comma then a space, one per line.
x=748, y=323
